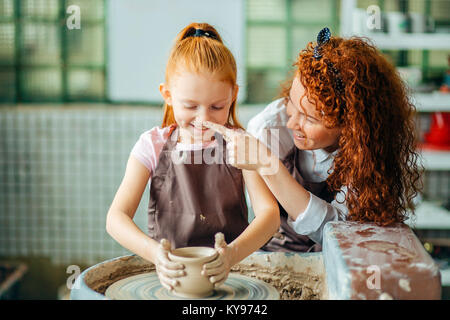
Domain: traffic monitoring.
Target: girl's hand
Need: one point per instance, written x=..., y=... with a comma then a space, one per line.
x=245, y=151
x=166, y=269
x=218, y=269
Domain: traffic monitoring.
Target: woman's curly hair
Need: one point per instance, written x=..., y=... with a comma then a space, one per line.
x=377, y=158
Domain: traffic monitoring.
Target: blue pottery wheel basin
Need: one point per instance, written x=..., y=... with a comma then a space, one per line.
x=260, y=276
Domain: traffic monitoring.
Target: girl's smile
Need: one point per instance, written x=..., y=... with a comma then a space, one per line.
x=199, y=131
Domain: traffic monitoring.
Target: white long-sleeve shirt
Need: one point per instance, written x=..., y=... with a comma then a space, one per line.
x=271, y=122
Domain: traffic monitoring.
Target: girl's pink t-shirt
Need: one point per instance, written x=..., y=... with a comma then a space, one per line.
x=150, y=144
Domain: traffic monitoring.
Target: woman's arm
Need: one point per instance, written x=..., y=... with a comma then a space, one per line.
x=292, y=195
x=308, y=211
x=119, y=221
x=266, y=222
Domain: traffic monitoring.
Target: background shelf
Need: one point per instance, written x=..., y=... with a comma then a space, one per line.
x=431, y=102
x=411, y=41
x=436, y=160
x=430, y=215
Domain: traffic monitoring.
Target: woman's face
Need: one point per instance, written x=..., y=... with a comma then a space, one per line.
x=308, y=130
x=202, y=97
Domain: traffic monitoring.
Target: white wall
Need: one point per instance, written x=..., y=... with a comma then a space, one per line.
x=141, y=33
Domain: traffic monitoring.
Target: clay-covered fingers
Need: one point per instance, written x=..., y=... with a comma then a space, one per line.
x=165, y=245
x=216, y=271
x=171, y=269
x=167, y=282
x=166, y=269
x=164, y=264
x=219, y=240
x=214, y=267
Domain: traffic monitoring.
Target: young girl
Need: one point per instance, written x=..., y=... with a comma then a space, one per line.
x=346, y=143
x=194, y=194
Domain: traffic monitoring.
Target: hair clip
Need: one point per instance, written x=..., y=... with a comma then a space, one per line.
x=322, y=38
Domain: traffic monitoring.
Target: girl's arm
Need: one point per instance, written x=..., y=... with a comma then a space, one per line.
x=119, y=221
x=258, y=232
x=120, y=225
x=266, y=222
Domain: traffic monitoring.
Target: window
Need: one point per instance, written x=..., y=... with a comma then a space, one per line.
x=276, y=32
x=42, y=60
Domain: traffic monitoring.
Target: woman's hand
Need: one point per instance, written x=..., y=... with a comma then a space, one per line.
x=218, y=269
x=166, y=269
x=245, y=151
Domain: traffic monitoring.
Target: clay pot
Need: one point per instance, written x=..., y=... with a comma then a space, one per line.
x=193, y=284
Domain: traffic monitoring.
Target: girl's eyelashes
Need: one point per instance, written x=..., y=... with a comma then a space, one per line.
x=195, y=107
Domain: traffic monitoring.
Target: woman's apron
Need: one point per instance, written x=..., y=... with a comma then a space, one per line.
x=287, y=239
x=191, y=201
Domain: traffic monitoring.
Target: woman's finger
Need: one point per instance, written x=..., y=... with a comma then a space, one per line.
x=227, y=133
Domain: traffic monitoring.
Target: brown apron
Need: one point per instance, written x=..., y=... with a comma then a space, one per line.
x=287, y=240
x=192, y=200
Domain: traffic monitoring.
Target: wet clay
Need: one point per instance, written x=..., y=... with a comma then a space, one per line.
x=290, y=284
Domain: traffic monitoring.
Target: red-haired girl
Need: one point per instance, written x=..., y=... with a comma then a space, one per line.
x=194, y=193
x=346, y=143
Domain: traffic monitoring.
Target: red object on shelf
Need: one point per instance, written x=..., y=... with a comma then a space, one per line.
x=438, y=138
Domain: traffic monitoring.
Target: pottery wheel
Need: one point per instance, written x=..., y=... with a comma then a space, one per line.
x=146, y=286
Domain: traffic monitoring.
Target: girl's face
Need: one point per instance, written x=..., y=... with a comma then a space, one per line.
x=198, y=96
x=306, y=124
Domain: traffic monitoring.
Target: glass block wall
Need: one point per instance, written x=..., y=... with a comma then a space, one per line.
x=277, y=30
x=41, y=59
x=60, y=170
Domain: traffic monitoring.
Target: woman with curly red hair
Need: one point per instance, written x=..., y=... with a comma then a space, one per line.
x=346, y=143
